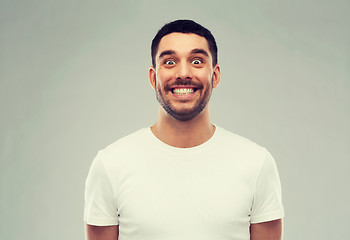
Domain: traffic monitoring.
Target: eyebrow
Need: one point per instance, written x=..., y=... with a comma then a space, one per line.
x=166, y=52
x=194, y=51
x=199, y=50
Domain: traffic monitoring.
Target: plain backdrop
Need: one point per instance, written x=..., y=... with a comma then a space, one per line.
x=73, y=79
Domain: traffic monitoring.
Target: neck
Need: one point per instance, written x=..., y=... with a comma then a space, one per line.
x=183, y=134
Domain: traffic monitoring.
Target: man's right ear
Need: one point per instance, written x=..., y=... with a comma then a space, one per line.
x=152, y=77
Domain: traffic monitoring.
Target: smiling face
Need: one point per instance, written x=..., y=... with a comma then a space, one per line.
x=184, y=76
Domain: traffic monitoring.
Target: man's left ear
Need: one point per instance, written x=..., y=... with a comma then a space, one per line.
x=216, y=75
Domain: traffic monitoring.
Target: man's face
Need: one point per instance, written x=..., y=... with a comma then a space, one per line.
x=184, y=76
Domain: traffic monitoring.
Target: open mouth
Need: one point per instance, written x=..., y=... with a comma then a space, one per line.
x=183, y=91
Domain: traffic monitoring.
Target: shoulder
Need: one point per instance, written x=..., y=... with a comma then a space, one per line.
x=250, y=155
x=125, y=146
x=236, y=142
x=241, y=149
x=128, y=142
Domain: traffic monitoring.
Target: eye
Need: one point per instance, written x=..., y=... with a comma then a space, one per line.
x=196, y=61
x=169, y=62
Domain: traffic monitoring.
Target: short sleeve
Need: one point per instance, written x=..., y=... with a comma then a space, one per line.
x=267, y=204
x=100, y=206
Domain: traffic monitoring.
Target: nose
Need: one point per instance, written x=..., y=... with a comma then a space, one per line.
x=184, y=71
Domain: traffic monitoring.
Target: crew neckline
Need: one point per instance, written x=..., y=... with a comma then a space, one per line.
x=164, y=146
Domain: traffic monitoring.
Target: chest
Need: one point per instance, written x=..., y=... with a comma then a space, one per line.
x=206, y=196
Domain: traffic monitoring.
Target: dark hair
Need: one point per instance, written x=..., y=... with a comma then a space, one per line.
x=184, y=26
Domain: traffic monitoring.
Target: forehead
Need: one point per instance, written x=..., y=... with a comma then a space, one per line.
x=182, y=43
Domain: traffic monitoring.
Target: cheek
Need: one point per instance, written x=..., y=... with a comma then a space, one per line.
x=204, y=73
x=205, y=77
x=163, y=77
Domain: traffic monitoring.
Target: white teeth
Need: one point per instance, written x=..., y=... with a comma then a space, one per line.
x=183, y=91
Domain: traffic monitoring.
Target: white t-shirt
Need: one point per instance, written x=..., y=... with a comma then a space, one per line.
x=158, y=192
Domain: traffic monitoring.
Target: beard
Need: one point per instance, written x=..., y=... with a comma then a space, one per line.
x=186, y=114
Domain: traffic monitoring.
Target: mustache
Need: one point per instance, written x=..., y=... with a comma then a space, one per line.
x=182, y=82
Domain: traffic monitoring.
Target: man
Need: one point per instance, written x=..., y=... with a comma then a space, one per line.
x=183, y=178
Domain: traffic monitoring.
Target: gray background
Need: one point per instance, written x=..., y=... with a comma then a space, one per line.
x=74, y=79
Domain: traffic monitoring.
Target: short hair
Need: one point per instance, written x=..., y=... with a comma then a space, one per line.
x=184, y=26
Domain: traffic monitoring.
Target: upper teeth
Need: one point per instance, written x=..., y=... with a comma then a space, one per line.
x=183, y=90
